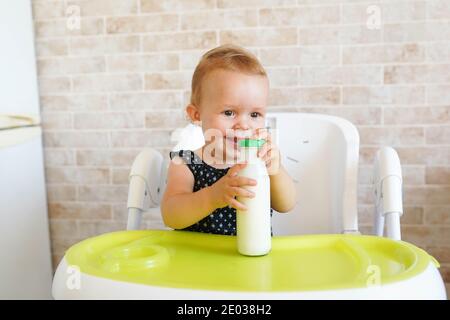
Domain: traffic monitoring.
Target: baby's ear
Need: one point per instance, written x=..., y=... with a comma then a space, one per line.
x=193, y=113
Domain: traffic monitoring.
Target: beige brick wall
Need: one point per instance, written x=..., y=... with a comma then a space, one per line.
x=120, y=81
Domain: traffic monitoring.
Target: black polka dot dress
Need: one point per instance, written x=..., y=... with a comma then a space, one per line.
x=221, y=220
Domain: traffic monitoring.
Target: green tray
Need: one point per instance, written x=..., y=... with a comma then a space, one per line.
x=192, y=260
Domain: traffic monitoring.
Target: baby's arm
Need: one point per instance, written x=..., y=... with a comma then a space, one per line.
x=181, y=207
x=282, y=191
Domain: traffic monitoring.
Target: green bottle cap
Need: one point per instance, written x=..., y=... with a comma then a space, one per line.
x=248, y=143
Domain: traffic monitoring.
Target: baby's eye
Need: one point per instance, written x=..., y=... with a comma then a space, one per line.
x=255, y=114
x=228, y=113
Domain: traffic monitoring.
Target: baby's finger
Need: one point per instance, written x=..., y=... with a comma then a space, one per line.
x=242, y=181
x=235, y=169
x=241, y=192
x=263, y=133
x=266, y=158
x=259, y=133
x=263, y=150
x=236, y=204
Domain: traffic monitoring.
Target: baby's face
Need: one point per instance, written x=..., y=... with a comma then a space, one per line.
x=233, y=103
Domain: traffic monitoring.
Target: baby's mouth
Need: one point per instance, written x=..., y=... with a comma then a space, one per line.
x=233, y=142
x=238, y=136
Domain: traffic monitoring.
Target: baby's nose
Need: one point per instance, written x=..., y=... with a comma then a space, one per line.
x=242, y=124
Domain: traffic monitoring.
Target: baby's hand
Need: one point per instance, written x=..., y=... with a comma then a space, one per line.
x=269, y=152
x=229, y=186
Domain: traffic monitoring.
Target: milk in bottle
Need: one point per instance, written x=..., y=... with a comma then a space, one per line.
x=254, y=225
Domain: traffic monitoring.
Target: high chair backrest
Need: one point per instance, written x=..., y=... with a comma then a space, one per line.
x=320, y=152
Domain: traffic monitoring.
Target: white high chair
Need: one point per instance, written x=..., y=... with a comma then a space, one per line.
x=321, y=153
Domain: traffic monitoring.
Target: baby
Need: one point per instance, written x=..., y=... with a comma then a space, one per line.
x=230, y=92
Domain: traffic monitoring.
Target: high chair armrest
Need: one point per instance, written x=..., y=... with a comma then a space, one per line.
x=387, y=190
x=148, y=176
x=147, y=184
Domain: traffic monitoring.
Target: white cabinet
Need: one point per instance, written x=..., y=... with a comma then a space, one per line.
x=25, y=258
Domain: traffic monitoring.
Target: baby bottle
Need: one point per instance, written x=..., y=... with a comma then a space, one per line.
x=254, y=225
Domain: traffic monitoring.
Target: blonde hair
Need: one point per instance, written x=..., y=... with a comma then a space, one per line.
x=226, y=57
